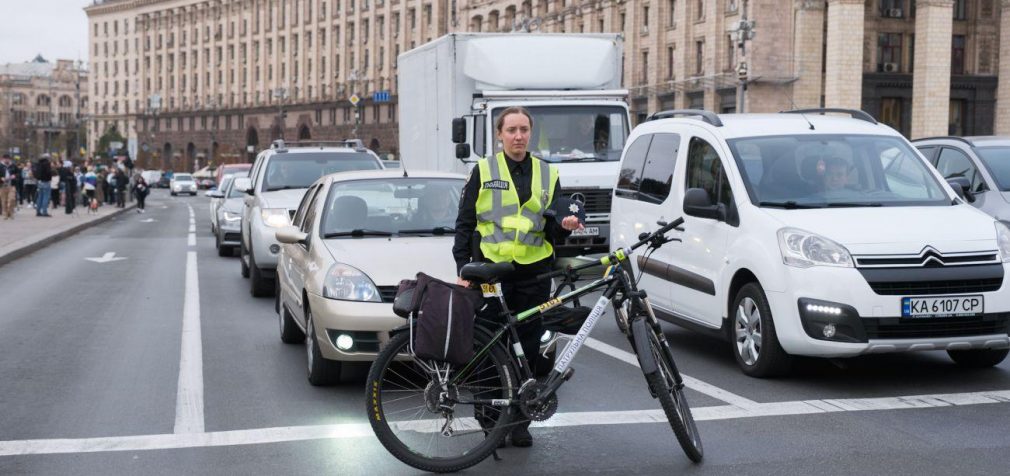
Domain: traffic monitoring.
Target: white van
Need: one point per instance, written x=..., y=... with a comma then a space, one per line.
x=809, y=234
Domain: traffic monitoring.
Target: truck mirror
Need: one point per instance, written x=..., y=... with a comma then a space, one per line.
x=459, y=131
x=462, y=151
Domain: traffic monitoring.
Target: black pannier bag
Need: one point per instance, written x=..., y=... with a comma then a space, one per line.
x=445, y=313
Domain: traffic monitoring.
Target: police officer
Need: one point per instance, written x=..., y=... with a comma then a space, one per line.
x=501, y=220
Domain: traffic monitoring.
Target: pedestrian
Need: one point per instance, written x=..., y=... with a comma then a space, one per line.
x=100, y=185
x=121, y=182
x=109, y=187
x=31, y=185
x=140, y=189
x=516, y=231
x=19, y=185
x=8, y=194
x=44, y=173
x=54, y=185
x=90, y=183
x=69, y=185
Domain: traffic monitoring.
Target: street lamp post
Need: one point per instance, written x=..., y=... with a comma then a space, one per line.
x=353, y=78
x=740, y=32
x=281, y=94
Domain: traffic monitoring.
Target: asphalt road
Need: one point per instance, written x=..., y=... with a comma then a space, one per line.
x=92, y=382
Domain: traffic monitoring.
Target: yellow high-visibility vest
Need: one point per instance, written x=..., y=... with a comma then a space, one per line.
x=511, y=231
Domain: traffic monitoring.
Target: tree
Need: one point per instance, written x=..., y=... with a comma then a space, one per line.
x=111, y=135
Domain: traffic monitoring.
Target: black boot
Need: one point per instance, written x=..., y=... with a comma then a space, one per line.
x=521, y=437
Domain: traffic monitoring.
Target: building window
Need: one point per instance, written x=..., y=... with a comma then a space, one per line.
x=957, y=113
x=699, y=57
x=888, y=52
x=957, y=55
x=701, y=10
x=730, y=53
x=645, y=19
x=671, y=12
x=892, y=8
x=670, y=50
x=890, y=112
x=960, y=10
x=645, y=68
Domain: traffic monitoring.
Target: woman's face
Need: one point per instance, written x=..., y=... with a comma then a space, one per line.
x=515, y=134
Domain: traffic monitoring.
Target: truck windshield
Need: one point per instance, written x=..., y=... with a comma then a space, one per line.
x=588, y=133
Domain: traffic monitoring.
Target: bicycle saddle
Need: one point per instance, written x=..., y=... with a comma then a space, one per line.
x=485, y=272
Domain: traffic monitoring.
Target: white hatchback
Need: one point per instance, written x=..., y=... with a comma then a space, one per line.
x=808, y=234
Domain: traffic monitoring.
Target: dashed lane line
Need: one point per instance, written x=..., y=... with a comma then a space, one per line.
x=189, y=393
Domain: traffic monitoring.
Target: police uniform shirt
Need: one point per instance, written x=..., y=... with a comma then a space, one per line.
x=466, y=247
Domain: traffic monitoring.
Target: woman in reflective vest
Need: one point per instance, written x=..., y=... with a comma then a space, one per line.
x=501, y=220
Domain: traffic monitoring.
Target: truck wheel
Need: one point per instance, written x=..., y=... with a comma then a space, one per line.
x=755, y=343
x=978, y=358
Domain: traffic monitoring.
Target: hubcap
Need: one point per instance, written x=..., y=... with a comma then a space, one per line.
x=748, y=331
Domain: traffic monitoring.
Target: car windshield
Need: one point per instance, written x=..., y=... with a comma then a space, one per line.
x=835, y=171
x=299, y=170
x=239, y=184
x=576, y=133
x=380, y=207
x=997, y=160
x=183, y=178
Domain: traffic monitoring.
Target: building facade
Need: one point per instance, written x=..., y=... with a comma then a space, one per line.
x=194, y=81
x=42, y=107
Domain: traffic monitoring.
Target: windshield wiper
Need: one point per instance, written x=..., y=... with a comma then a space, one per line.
x=855, y=204
x=438, y=230
x=788, y=205
x=284, y=187
x=358, y=232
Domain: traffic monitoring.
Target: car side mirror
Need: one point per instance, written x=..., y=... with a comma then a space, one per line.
x=215, y=194
x=250, y=191
x=291, y=235
x=458, y=131
x=962, y=187
x=697, y=203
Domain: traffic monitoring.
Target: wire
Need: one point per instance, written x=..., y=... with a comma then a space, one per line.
x=645, y=260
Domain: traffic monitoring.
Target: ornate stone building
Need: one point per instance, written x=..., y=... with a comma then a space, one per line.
x=189, y=81
x=41, y=108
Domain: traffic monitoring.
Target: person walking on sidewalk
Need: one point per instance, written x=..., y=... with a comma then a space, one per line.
x=140, y=189
x=44, y=174
x=100, y=185
x=69, y=185
x=122, y=182
x=31, y=185
x=90, y=184
x=8, y=195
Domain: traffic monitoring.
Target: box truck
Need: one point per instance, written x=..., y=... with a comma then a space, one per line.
x=452, y=90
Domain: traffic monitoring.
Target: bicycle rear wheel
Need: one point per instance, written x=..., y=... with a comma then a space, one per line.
x=671, y=396
x=407, y=413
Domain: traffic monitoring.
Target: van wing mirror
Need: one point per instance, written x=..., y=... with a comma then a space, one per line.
x=698, y=203
x=459, y=131
x=962, y=187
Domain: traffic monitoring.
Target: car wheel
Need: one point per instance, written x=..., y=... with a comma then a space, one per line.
x=242, y=259
x=259, y=285
x=978, y=358
x=290, y=333
x=172, y=193
x=321, y=371
x=222, y=251
x=755, y=343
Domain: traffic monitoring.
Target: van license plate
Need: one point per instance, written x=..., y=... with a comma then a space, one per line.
x=944, y=306
x=587, y=231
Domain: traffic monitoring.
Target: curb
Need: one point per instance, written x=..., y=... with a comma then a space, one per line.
x=48, y=240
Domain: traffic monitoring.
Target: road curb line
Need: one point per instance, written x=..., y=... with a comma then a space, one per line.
x=48, y=240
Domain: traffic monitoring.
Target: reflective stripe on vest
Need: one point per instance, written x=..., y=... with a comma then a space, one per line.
x=510, y=232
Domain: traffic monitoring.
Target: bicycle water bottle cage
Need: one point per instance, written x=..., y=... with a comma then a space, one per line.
x=481, y=273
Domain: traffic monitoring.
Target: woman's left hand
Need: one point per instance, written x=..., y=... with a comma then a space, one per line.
x=571, y=223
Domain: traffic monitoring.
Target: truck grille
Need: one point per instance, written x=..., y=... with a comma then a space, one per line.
x=897, y=328
x=596, y=200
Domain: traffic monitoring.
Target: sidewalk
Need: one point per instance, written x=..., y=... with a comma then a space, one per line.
x=27, y=233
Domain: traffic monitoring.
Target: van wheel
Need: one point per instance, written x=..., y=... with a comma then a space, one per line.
x=755, y=343
x=321, y=371
x=978, y=358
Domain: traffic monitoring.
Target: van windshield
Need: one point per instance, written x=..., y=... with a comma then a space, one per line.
x=590, y=133
x=299, y=170
x=997, y=160
x=835, y=171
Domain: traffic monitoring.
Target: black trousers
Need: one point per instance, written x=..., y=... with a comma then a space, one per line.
x=140, y=200
x=520, y=296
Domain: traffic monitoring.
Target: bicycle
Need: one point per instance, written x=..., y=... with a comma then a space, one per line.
x=437, y=418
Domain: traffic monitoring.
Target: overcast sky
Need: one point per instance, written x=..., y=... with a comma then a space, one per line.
x=56, y=29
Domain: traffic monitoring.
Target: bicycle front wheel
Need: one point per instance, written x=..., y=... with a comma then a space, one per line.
x=671, y=396
x=421, y=420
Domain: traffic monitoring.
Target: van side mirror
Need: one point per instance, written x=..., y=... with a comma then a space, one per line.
x=962, y=187
x=462, y=151
x=697, y=203
x=459, y=131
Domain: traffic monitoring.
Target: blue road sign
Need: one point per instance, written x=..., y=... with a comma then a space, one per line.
x=380, y=96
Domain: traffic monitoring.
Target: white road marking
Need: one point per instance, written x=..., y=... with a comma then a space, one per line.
x=363, y=430
x=191, y=239
x=189, y=394
x=691, y=382
x=108, y=257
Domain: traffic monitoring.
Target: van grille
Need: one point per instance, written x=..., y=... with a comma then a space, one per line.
x=938, y=287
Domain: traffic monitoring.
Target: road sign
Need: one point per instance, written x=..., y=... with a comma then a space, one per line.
x=354, y=99
x=380, y=96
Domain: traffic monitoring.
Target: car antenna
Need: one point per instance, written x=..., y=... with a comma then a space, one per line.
x=801, y=115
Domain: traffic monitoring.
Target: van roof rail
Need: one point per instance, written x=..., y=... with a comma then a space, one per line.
x=854, y=113
x=707, y=116
x=962, y=139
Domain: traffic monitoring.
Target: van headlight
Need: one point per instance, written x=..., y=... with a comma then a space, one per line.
x=1003, y=241
x=275, y=217
x=349, y=284
x=803, y=249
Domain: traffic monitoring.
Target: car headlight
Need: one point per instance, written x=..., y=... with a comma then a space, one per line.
x=275, y=217
x=229, y=216
x=349, y=284
x=803, y=249
x=1003, y=241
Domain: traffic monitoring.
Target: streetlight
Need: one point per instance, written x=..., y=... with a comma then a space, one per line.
x=740, y=32
x=281, y=94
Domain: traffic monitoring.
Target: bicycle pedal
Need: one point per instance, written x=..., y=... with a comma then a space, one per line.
x=568, y=373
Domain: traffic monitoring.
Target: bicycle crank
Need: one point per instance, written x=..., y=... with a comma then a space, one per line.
x=530, y=408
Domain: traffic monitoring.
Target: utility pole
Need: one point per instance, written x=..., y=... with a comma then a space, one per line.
x=742, y=31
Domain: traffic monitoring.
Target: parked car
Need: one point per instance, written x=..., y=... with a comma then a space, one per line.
x=182, y=183
x=217, y=197
x=280, y=176
x=980, y=165
x=228, y=216
x=354, y=236
x=164, y=182
x=808, y=234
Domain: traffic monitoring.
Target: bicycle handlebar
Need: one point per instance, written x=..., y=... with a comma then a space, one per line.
x=620, y=253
